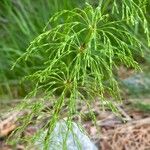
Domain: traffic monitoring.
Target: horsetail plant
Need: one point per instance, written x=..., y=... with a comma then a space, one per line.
x=83, y=48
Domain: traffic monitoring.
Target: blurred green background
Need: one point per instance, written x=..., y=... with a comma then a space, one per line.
x=22, y=20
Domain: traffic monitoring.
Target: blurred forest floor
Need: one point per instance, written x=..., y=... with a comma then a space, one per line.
x=130, y=132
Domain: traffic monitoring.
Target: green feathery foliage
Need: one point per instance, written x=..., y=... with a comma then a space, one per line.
x=83, y=48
